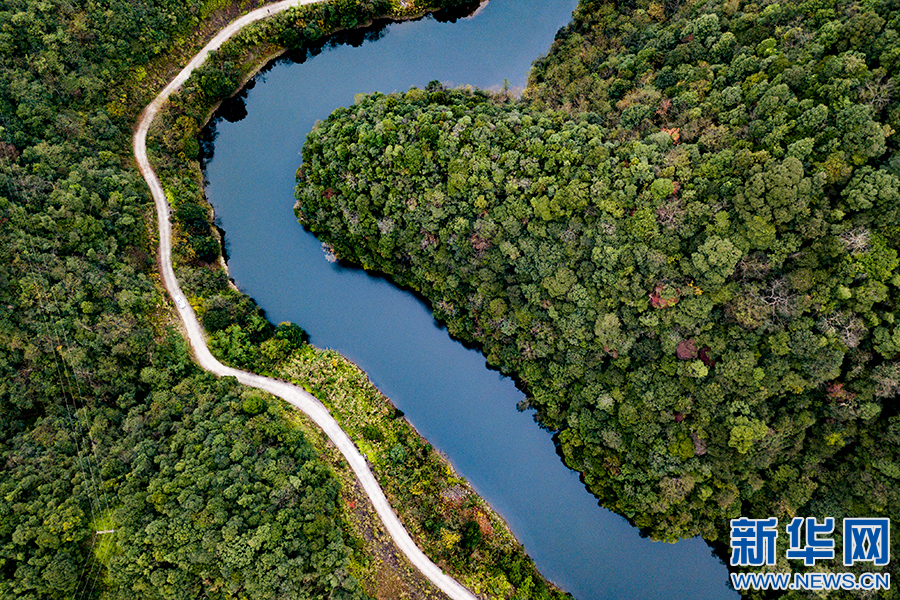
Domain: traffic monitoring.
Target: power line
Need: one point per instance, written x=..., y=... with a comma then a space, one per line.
x=90, y=475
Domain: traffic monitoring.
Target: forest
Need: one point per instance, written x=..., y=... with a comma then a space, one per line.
x=682, y=242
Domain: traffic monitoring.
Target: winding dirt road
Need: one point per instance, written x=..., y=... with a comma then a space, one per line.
x=298, y=397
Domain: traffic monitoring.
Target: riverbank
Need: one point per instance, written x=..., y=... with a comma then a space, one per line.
x=456, y=527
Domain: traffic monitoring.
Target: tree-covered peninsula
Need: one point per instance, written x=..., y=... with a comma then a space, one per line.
x=683, y=242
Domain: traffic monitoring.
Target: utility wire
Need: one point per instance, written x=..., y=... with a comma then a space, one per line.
x=90, y=476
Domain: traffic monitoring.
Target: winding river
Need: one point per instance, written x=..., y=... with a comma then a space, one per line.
x=446, y=391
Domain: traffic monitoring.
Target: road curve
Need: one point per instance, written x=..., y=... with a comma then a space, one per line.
x=298, y=397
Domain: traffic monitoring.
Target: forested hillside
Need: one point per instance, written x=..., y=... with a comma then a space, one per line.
x=682, y=242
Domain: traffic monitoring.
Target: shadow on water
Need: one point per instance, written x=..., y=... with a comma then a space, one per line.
x=251, y=153
x=234, y=108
